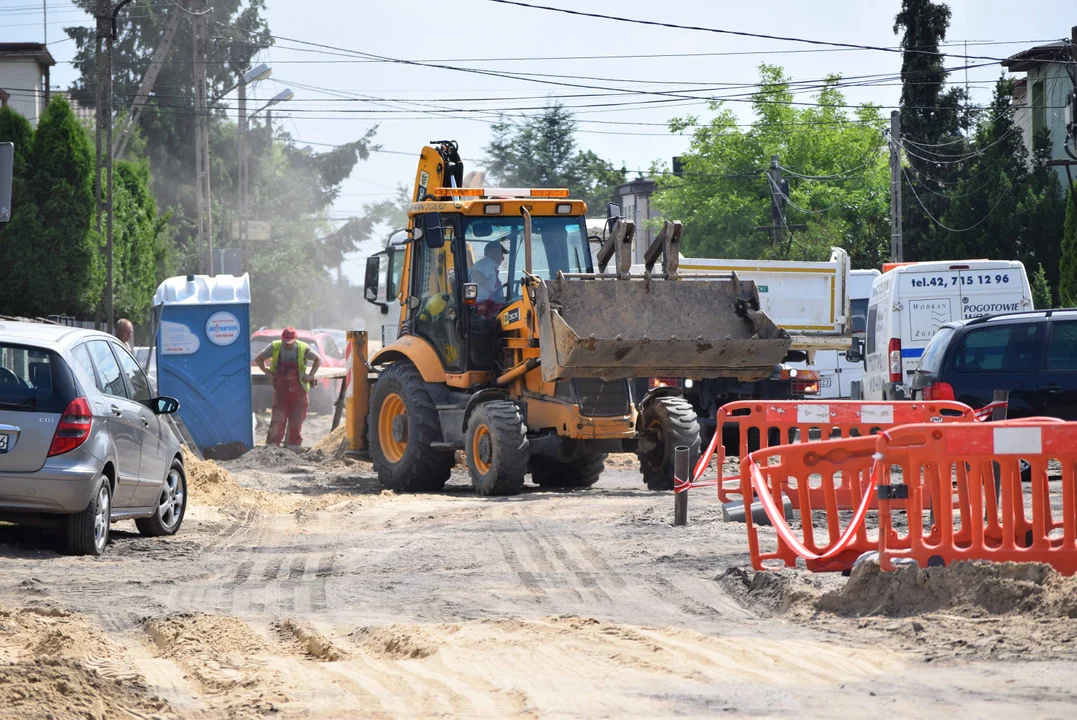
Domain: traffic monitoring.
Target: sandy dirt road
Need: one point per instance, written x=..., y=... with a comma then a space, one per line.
x=310, y=593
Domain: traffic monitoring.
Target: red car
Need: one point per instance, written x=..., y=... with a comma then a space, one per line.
x=324, y=394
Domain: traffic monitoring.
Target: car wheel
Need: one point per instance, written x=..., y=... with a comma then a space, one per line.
x=171, y=505
x=88, y=531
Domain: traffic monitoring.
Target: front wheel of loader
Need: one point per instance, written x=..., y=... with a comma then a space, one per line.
x=584, y=471
x=674, y=423
x=497, y=448
x=403, y=424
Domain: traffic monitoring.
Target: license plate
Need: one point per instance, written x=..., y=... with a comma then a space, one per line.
x=3, y=443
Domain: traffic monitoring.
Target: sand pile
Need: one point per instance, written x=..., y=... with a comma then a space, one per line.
x=1031, y=589
x=66, y=690
x=211, y=484
x=965, y=589
x=331, y=447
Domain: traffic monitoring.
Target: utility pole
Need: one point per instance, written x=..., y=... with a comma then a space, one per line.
x=779, y=190
x=45, y=20
x=897, y=253
x=776, y=200
x=201, y=119
x=103, y=137
x=243, y=182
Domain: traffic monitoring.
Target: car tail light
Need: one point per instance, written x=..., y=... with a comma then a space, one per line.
x=895, y=360
x=939, y=391
x=806, y=387
x=665, y=382
x=74, y=427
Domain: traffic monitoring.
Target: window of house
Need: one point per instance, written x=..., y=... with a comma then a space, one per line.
x=1039, y=106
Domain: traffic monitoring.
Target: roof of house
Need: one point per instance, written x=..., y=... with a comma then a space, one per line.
x=1028, y=59
x=37, y=51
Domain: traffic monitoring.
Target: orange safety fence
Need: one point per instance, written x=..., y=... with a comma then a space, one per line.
x=829, y=476
x=987, y=521
x=763, y=424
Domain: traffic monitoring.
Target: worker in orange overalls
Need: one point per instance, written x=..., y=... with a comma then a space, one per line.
x=288, y=372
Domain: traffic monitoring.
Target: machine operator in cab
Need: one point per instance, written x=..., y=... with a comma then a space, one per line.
x=486, y=274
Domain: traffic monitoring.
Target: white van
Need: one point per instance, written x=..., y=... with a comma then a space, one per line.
x=909, y=301
x=836, y=373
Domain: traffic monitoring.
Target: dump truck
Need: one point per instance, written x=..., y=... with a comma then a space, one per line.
x=809, y=300
x=521, y=355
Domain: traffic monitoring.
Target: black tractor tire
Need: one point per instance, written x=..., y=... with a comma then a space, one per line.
x=83, y=537
x=584, y=471
x=407, y=462
x=677, y=425
x=497, y=448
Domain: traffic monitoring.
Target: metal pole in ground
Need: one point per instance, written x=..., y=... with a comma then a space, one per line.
x=998, y=413
x=680, y=475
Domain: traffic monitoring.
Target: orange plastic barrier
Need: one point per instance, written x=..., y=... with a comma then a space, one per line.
x=960, y=462
x=764, y=424
x=826, y=476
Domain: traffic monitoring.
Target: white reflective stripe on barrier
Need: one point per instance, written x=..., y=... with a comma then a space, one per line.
x=813, y=413
x=1018, y=441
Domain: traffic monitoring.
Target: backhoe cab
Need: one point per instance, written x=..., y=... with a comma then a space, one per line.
x=513, y=349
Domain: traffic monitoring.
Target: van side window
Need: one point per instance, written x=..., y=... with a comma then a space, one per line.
x=873, y=315
x=932, y=357
x=1007, y=348
x=1062, y=347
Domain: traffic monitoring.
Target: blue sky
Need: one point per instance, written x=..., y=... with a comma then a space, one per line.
x=429, y=29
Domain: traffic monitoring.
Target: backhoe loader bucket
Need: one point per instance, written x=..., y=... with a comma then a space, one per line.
x=602, y=326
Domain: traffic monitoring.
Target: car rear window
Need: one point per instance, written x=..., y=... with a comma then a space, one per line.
x=931, y=360
x=34, y=380
x=1005, y=348
x=1062, y=347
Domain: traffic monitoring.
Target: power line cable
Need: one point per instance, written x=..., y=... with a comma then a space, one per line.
x=738, y=33
x=947, y=227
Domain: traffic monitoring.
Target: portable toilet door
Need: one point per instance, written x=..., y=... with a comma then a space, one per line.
x=204, y=359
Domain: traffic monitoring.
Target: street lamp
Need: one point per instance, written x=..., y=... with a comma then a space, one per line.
x=258, y=73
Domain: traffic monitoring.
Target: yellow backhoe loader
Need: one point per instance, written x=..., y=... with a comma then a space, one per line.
x=521, y=354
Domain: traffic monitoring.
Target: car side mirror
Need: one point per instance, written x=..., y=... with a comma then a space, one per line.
x=164, y=405
x=855, y=353
x=433, y=232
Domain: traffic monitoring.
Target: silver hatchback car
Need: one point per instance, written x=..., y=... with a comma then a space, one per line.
x=81, y=441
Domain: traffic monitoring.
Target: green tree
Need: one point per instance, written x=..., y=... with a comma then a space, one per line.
x=14, y=128
x=166, y=127
x=1005, y=204
x=1041, y=290
x=541, y=151
x=932, y=116
x=58, y=260
x=1067, y=283
x=723, y=194
x=135, y=240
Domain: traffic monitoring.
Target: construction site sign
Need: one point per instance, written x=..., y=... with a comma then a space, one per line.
x=256, y=230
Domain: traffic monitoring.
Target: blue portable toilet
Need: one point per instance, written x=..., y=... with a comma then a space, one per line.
x=204, y=359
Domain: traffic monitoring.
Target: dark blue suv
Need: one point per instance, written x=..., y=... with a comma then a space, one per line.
x=1031, y=354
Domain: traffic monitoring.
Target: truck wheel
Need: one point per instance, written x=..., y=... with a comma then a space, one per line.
x=584, y=471
x=403, y=424
x=675, y=422
x=497, y=448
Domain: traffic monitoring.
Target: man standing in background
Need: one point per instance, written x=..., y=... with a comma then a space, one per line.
x=288, y=372
x=125, y=331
